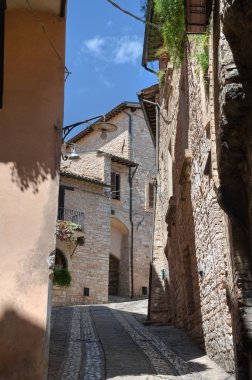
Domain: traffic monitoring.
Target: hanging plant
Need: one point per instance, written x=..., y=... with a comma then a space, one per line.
x=201, y=51
x=161, y=77
x=62, y=277
x=172, y=19
x=65, y=230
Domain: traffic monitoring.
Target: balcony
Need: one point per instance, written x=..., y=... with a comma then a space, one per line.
x=70, y=215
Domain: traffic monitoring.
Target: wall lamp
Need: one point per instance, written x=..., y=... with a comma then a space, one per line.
x=100, y=125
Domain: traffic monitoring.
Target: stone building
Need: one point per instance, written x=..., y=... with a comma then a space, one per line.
x=32, y=49
x=111, y=184
x=201, y=264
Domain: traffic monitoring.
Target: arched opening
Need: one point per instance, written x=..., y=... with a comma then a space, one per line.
x=60, y=260
x=119, y=261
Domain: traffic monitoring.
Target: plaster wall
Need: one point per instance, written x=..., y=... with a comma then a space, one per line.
x=30, y=122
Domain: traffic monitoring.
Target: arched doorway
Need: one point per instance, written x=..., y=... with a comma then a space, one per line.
x=119, y=264
x=60, y=260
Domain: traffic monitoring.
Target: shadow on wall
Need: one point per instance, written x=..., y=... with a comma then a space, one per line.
x=22, y=360
x=182, y=287
x=235, y=165
x=33, y=152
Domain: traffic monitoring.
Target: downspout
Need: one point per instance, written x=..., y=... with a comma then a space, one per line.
x=157, y=107
x=148, y=69
x=152, y=250
x=131, y=175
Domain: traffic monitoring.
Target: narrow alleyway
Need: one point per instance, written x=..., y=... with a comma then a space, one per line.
x=111, y=342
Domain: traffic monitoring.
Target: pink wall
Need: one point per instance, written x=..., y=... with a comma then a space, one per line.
x=29, y=157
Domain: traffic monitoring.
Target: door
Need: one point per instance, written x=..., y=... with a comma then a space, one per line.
x=113, y=276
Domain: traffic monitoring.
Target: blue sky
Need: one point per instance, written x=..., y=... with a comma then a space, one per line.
x=103, y=53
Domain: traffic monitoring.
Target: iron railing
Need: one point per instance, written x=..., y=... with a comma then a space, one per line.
x=74, y=216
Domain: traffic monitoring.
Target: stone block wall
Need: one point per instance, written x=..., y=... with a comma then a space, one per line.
x=232, y=74
x=116, y=142
x=89, y=164
x=88, y=264
x=194, y=294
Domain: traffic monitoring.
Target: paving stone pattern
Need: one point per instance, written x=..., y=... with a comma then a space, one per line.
x=102, y=342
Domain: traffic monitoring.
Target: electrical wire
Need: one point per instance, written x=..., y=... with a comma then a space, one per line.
x=67, y=72
x=132, y=15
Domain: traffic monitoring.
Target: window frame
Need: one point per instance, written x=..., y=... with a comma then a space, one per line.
x=115, y=185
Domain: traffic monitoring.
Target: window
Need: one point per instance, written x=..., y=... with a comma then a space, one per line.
x=115, y=185
x=151, y=195
x=144, y=291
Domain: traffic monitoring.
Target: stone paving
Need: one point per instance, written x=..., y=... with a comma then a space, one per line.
x=110, y=341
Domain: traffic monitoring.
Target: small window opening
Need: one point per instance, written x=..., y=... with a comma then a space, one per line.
x=115, y=185
x=86, y=292
x=144, y=290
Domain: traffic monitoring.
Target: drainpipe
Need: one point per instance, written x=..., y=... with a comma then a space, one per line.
x=157, y=107
x=148, y=69
x=152, y=250
x=131, y=175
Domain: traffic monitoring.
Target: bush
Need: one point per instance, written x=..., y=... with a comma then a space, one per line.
x=62, y=277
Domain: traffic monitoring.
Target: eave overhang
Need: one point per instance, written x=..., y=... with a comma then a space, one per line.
x=152, y=36
x=119, y=160
x=197, y=15
x=94, y=181
x=149, y=110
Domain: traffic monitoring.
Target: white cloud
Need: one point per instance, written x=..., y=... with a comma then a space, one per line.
x=128, y=50
x=94, y=45
x=125, y=49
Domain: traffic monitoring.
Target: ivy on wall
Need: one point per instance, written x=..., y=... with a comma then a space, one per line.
x=200, y=44
x=172, y=19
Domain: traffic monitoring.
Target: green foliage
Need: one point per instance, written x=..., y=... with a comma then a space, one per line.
x=201, y=51
x=62, y=277
x=162, y=51
x=161, y=76
x=65, y=230
x=171, y=15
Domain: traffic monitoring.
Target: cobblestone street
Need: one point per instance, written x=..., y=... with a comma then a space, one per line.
x=111, y=342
